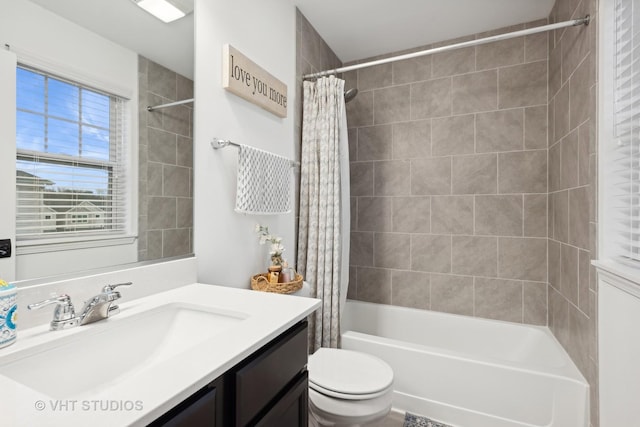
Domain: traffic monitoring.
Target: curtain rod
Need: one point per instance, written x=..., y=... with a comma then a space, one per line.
x=170, y=104
x=528, y=31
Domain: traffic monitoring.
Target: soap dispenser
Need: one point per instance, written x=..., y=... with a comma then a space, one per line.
x=8, y=308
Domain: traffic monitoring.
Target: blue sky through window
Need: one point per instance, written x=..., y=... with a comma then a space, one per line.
x=63, y=100
x=30, y=90
x=30, y=131
x=61, y=118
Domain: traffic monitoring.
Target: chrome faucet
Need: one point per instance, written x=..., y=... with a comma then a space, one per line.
x=101, y=306
x=97, y=308
x=64, y=315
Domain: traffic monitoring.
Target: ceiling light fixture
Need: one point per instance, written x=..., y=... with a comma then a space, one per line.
x=166, y=10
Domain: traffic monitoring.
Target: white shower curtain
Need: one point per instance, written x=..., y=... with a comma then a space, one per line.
x=323, y=233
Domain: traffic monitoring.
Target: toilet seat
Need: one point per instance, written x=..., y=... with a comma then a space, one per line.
x=345, y=396
x=350, y=375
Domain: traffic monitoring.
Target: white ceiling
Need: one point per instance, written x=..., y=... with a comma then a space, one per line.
x=357, y=29
x=128, y=25
x=354, y=29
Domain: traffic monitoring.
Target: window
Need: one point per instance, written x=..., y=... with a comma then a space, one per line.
x=621, y=124
x=71, y=143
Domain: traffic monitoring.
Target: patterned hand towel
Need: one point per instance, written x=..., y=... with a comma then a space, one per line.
x=264, y=181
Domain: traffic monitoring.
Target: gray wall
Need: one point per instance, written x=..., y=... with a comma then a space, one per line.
x=165, y=217
x=572, y=188
x=449, y=180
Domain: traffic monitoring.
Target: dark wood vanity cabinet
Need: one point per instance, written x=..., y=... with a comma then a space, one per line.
x=203, y=408
x=291, y=409
x=267, y=389
x=265, y=380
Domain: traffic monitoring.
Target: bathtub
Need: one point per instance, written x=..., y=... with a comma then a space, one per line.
x=470, y=372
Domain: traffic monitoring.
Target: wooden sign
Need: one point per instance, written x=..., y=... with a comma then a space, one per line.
x=248, y=80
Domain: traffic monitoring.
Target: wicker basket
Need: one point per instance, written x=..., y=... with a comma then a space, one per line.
x=259, y=282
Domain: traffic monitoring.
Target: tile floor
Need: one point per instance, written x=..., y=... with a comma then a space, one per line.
x=394, y=419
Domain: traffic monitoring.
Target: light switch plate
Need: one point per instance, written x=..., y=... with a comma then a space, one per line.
x=5, y=248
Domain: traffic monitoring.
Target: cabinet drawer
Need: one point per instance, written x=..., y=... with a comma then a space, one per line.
x=267, y=373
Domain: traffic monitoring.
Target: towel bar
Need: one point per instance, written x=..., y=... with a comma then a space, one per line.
x=218, y=143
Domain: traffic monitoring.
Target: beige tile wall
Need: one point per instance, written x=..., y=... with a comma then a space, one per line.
x=449, y=181
x=165, y=217
x=572, y=188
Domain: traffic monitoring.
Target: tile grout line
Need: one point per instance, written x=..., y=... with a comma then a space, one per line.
x=411, y=165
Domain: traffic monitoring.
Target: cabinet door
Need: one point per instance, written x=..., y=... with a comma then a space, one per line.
x=202, y=409
x=292, y=409
x=268, y=373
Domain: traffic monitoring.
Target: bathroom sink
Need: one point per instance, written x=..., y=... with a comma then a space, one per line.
x=107, y=352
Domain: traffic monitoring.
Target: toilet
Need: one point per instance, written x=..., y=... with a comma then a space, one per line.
x=348, y=388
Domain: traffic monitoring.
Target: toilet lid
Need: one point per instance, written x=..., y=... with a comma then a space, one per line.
x=346, y=372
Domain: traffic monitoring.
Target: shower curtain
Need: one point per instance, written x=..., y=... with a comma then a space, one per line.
x=323, y=233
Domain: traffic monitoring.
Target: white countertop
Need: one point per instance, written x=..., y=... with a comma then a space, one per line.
x=147, y=393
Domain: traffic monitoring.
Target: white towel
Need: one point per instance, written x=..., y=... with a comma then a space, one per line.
x=264, y=181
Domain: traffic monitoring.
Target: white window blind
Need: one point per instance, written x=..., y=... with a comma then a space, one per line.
x=71, y=143
x=626, y=128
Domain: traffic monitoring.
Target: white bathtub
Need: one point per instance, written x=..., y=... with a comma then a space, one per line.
x=470, y=372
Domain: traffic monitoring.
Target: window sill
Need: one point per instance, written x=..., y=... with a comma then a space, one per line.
x=43, y=246
x=619, y=275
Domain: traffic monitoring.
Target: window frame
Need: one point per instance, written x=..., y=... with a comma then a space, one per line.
x=128, y=235
x=609, y=255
